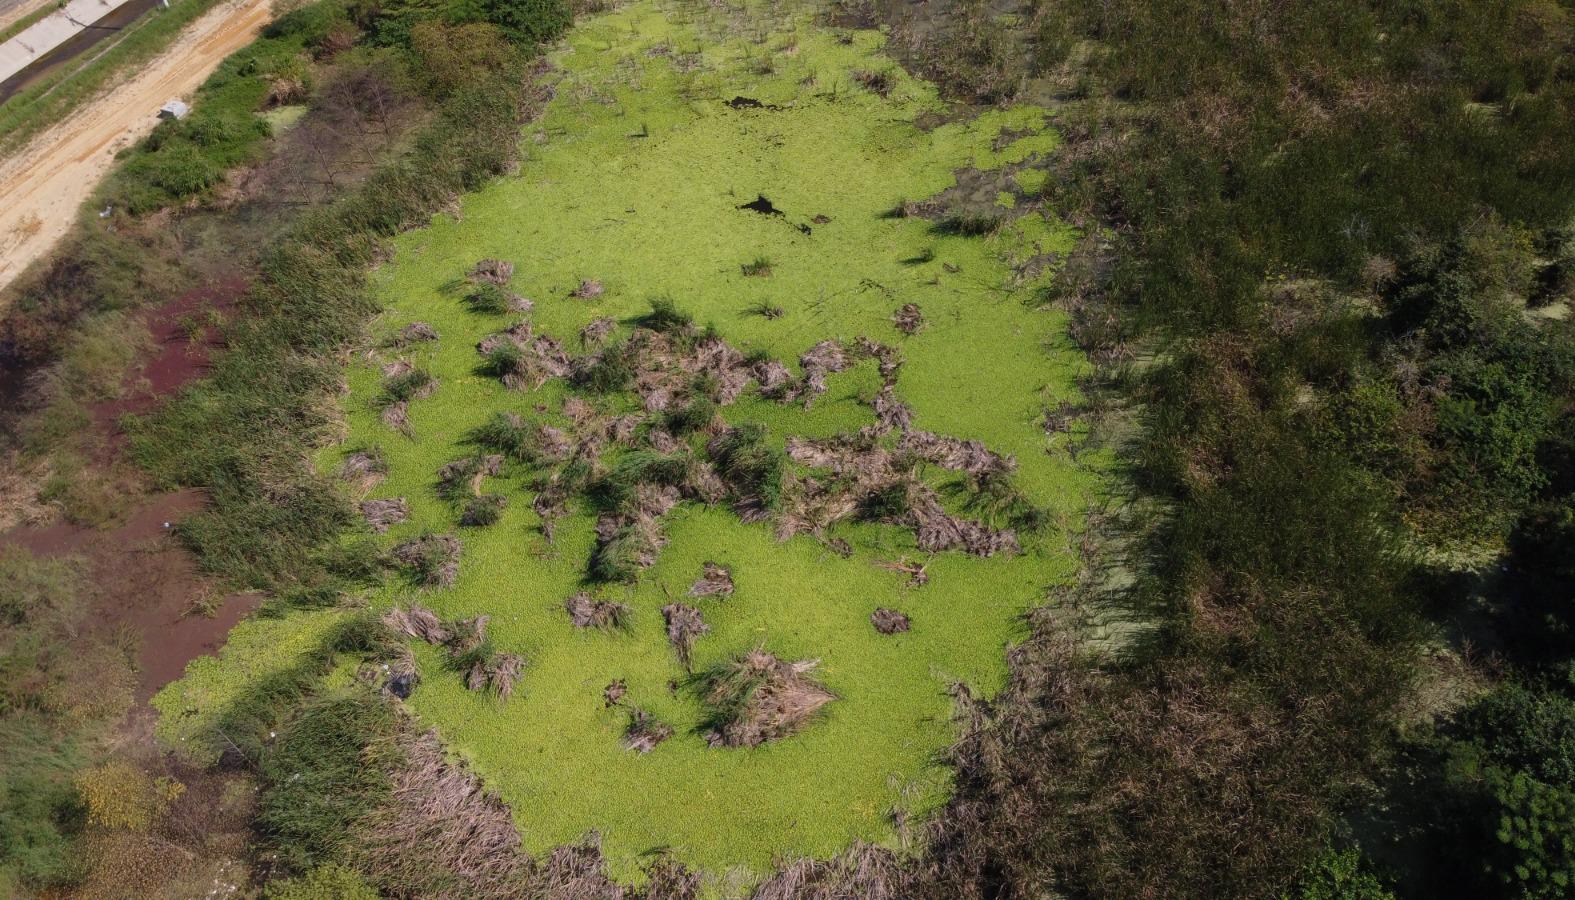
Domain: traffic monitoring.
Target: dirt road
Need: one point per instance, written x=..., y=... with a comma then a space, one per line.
x=44, y=183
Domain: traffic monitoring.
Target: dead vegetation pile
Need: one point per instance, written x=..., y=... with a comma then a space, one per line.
x=417, y=622
x=522, y=359
x=889, y=621
x=908, y=319
x=614, y=692
x=493, y=271
x=862, y=871
x=684, y=625
x=645, y=731
x=680, y=448
x=462, y=477
x=403, y=383
x=597, y=332
x=415, y=333
x=364, y=469
x=972, y=457
x=465, y=643
x=883, y=485
x=587, y=612
x=380, y=514
x=756, y=698
x=433, y=559
x=498, y=671
x=716, y=580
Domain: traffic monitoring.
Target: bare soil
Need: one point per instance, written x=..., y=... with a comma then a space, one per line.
x=147, y=583
x=43, y=184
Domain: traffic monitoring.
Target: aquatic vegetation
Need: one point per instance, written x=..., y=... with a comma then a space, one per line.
x=717, y=281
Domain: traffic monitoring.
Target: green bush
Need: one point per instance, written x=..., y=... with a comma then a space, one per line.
x=1339, y=875
x=330, y=882
x=1536, y=830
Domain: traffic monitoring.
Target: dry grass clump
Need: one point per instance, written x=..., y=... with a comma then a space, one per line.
x=589, y=289
x=878, y=82
x=889, y=621
x=587, y=612
x=433, y=559
x=415, y=333
x=465, y=642
x=492, y=271
x=380, y=514
x=462, y=477
x=684, y=625
x=614, y=692
x=417, y=622
x=527, y=442
x=397, y=417
x=862, y=871
x=364, y=469
x=483, y=510
x=716, y=580
x=645, y=731
x=908, y=319
x=500, y=673
x=756, y=698
x=490, y=299
x=521, y=358
x=596, y=333
x=972, y=457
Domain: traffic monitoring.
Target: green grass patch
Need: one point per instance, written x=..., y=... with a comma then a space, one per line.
x=635, y=179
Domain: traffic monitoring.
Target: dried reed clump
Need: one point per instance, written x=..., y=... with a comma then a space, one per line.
x=972, y=457
x=432, y=559
x=417, y=622
x=684, y=625
x=614, y=692
x=415, y=333
x=492, y=271
x=862, y=871
x=397, y=417
x=645, y=731
x=889, y=621
x=756, y=698
x=716, y=580
x=523, y=359
x=364, y=469
x=462, y=477
x=587, y=612
x=596, y=333
x=908, y=319
x=483, y=510
x=380, y=514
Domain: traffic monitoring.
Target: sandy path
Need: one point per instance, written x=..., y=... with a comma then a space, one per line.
x=44, y=183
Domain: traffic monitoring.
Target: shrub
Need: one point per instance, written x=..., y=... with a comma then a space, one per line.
x=489, y=298
x=118, y=795
x=328, y=882
x=529, y=22
x=1536, y=830
x=665, y=317
x=1339, y=875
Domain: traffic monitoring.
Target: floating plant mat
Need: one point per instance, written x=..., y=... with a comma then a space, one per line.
x=761, y=180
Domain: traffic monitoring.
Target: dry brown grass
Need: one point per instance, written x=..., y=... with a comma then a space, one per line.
x=757, y=698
